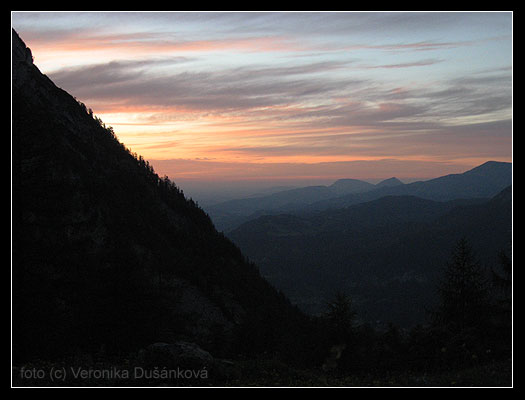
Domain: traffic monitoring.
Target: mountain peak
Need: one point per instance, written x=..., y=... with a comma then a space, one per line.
x=21, y=53
x=22, y=61
x=491, y=170
x=390, y=182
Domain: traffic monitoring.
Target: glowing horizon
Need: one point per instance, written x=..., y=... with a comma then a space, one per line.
x=284, y=96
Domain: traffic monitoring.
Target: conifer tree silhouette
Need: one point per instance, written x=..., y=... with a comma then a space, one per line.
x=463, y=291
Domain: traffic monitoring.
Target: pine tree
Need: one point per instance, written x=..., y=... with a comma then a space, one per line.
x=502, y=280
x=502, y=319
x=340, y=319
x=463, y=291
x=462, y=320
x=341, y=316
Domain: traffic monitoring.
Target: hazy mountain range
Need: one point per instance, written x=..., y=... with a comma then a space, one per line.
x=483, y=181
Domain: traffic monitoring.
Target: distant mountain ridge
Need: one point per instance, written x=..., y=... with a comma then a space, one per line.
x=483, y=181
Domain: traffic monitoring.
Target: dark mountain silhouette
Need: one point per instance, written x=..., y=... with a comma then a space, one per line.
x=232, y=213
x=386, y=253
x=108, y=256
x=291, y=198
x=483, y=181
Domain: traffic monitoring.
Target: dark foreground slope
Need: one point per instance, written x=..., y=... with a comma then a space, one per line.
x=107, y=256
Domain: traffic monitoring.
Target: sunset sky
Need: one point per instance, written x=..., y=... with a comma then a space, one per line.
x=285, y=96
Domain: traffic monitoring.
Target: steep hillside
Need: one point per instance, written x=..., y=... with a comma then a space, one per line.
x=108, y=256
